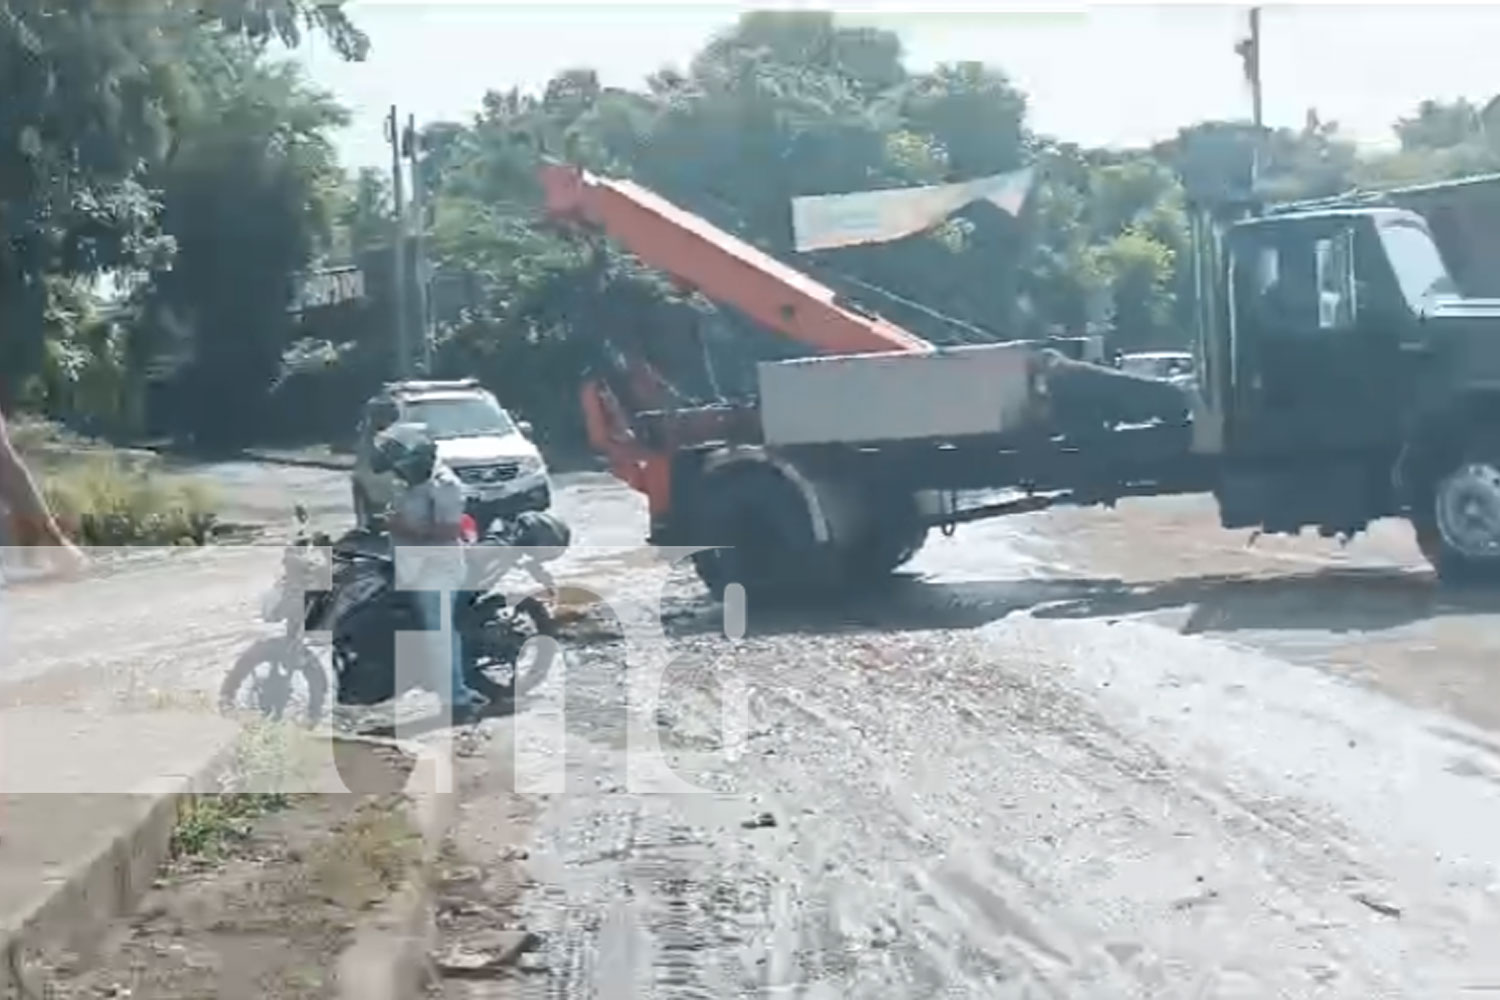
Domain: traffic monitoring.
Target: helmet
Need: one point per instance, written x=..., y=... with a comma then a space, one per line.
x=545, y=535
x=407, y=450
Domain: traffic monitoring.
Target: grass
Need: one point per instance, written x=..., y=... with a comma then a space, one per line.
x=31, y=435
x=369, y=856
x=105, y=496
x=270, y=759
x=208, y=826
x=270, y=755
x=101, y=499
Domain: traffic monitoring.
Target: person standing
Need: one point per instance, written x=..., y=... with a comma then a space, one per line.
x=426, y=536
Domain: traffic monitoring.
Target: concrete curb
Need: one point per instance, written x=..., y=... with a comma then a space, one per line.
x=391, y=956
x=332, y=463
x=105, y=886
x=389, y=959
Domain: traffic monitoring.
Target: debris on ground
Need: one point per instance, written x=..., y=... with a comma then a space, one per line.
x=486, y=955
x=260, y=899
x=1380, y=906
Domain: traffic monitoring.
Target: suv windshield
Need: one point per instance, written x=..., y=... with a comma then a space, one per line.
x=1414, y=257
x=458, y=417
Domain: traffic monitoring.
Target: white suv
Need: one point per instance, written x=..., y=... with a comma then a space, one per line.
x=502, y=471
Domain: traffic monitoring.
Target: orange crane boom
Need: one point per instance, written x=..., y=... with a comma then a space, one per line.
x=722, y=267
x=625, y=422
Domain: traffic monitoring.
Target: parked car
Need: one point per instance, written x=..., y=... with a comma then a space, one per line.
x=491, y=453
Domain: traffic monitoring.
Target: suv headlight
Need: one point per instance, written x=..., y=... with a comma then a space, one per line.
x=530, y=464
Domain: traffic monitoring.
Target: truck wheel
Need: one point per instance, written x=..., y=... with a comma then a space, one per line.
x=761, y=524
x=1457, y=518
x=893, y=544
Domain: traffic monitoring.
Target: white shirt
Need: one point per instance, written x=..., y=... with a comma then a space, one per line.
x=425, y=564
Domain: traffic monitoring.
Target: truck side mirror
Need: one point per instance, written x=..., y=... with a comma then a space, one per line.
x=524, y=426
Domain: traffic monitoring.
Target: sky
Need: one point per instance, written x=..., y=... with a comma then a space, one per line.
x=1111, y=74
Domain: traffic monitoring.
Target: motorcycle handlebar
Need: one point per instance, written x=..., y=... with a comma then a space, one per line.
x=492, y=565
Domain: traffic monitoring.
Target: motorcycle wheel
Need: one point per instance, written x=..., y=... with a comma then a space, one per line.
x=533, y=640
x=273, y=693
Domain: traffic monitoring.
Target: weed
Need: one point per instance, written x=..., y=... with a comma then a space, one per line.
x=30, y=434
x=101, y=499
x=369, y=856
x=269, y=761
x=270, y=757
x=208, y=824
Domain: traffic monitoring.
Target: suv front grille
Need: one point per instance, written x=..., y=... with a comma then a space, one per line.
x=477, y=475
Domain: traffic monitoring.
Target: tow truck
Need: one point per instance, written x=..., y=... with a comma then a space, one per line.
x=1343, y=375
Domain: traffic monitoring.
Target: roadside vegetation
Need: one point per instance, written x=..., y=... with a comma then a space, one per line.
x=104, y=501
x=270, y=761
x=262, y=892
x=104, y=496
x=218, y=180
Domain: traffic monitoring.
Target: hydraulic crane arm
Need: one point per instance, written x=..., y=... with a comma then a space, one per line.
x=720, y=266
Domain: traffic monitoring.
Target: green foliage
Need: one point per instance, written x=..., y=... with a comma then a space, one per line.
x=96, y=97
x=209, y=827
x=363, y=213
x=249, y=196
x=1139, y=269
x=102, y=500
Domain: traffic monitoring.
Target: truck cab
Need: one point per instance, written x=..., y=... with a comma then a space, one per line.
x=1354, y=381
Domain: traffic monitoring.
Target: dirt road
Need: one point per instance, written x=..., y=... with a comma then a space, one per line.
x=1016, y=776
x=1062, y=757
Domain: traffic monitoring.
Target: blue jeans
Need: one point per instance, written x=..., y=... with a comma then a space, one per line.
x=429, y=608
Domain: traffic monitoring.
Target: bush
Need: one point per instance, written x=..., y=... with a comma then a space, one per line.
x=32, y=436
x=100, y=500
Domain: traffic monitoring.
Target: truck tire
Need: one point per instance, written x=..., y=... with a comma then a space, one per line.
x=897, y=538
x=1456, y=515
x=765, y=537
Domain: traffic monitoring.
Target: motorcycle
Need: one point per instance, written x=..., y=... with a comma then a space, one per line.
x=297, y=607
x=508, y=646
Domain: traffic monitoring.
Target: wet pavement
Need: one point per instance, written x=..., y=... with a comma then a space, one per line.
x=1371, y=612
x=1024, y=770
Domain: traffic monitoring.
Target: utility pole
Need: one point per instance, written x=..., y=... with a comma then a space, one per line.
x=1249, y=52
x=419, y=256
x=398, y=247
x=1253, y=69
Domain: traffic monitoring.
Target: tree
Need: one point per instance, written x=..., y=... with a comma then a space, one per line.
x=249, y=196
x=1140, y=272
x=92, y=97
x=1439, y=125
x=365, y=212
x=866, y=59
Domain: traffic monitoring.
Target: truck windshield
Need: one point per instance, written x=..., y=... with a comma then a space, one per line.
x=1415, y=259
x=460, y=417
